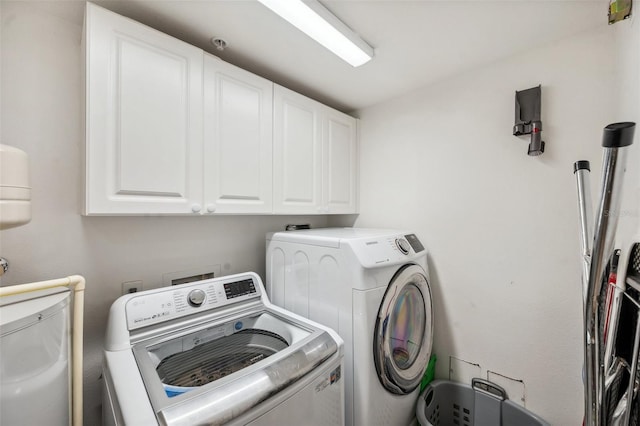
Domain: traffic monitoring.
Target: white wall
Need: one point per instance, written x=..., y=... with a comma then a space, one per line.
x=41, y=114
x=627, y=63
x=501, y=227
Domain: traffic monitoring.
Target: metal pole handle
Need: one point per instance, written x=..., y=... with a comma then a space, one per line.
x=582, y=169
x=616, y=137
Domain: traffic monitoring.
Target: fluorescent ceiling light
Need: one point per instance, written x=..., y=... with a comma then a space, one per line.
x=310, y=17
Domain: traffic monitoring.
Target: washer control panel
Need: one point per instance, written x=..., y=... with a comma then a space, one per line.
x=155, y=306
x=239, y=288
x=196, y=297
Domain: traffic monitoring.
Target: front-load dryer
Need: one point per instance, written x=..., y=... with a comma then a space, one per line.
x=372, y=286
x=218, y=352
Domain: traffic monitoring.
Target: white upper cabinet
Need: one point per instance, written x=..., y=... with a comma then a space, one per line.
x=172, y=130
x=143, y=119
x=238, y=139
x=340, y=162
x=297, y=153
x=315, y=157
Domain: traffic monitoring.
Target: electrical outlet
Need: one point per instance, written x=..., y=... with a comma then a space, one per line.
x=131, y=287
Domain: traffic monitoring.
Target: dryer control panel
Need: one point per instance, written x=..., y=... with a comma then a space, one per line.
x=415, y=243
x=392, y=249
x=161, y=305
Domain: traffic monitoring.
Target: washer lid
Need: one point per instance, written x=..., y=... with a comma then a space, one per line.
x=226, y=367
x=404, y=331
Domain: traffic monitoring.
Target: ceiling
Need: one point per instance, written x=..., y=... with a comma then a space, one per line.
x=416, y=42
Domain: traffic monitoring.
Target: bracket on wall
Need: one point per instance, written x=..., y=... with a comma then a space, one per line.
x=619, y=10
x=528, y=121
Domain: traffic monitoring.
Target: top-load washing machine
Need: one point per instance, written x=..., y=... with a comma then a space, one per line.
x=217, y=351
x=371, y=286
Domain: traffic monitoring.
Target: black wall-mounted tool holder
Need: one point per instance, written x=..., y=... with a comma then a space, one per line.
x=528, y=121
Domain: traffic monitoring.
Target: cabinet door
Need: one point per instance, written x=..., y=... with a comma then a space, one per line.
x=238, y=139
x=339, y=136
x=144, y=118
x=297, y=153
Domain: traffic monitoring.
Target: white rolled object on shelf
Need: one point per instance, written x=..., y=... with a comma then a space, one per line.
x=15, y=190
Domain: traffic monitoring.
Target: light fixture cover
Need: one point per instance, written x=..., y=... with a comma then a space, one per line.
x=310, y=17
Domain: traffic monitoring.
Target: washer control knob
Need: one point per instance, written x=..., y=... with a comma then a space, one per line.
x=196, y=297
x=403, y=245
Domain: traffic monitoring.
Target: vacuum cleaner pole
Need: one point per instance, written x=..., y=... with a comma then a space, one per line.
x=616, y=137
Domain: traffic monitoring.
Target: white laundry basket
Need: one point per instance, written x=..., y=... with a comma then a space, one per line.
x=446, y=403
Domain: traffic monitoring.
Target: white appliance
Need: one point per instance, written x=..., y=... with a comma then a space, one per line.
x=34, y=358
x=217, y=351
x=372, y=287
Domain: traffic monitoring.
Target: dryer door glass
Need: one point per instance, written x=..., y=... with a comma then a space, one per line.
x=407, y=326
x=404, y=330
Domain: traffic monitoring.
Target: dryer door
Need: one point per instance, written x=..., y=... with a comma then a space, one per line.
x=404, y=331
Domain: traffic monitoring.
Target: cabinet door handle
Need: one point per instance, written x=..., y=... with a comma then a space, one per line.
x=211, y=207
x=196, y=208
